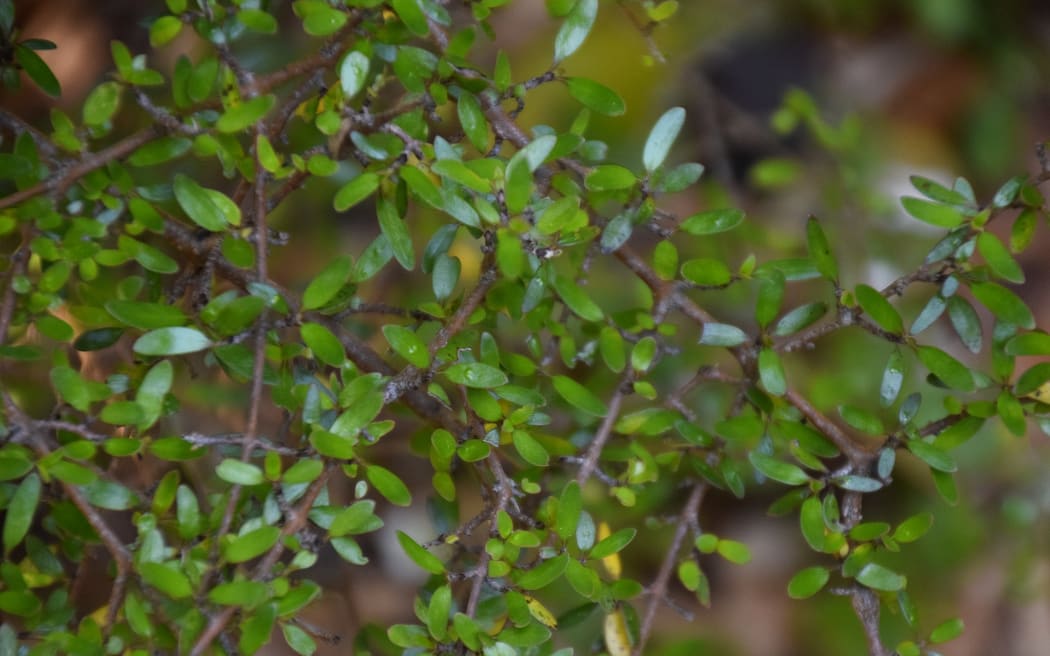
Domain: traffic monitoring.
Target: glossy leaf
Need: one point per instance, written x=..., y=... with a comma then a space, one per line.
x=476, y=374
x=579, y=396
x=595, y=96
x=176, y=340
x=662, y=137
x=808, y=582
x=575, y=28
x=712, y=222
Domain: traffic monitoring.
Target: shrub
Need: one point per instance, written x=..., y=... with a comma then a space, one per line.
x=576, y=367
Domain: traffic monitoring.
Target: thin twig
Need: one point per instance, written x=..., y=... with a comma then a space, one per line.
x=594, y=449
x=658, y=588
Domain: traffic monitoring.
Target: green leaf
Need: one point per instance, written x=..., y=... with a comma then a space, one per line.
x=811, y=520
x=770, y=296
x=662, y=137
x=735, y=552
x=530, y=449
x=102, y=103
x=892, y=379
x=820, y=250
x=859, y=483
x=240, y=117
x=559, y=215
x=325, y=345
x=579, y=396
x=879, y=309
x=913, y=528
x=942, y=216
x=713, y=222
x=722, y=334
x=407, y=344
x=472, y=120
x=252, y=544
x=966, y=322
x=595, y=97
x=577, y=300
x=239, y=473
x=998, y=258
x=771, y=372
x=21, y=507
x=163, y=30
x=167, y=578
x=782, y=472
x=617, y=231
x=707, y=272
x=37, y=70
x=159, y=151
x=438, y=612
x=420, y=556
x=938, y=192
x=611, y=346
x=171, y=341
x=877, y=577
x=862, y=420
x=320, y=18
x=610, y=177
x=355, y=191
x=1037, y=343
x=396, y=233
x=543, y=574
x=412, y=16
x=799, y=318
x=1004, y=304
x=445, y=276
x=570, y=507
x=476, y=374
x=808, y=582
x=198, y=204
x=574, y=30
x=950, y=371
x=353, y=72
x=932, y=456
x=615, y=543
x=1008, y=192
x=122, y=413
x=326, y=284
x=389, y=485
x=257, y=20
x=947, y=630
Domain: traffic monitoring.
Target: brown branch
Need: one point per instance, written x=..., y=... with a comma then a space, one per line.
x=594, y=449
x=19, y=259
x=220, y=621
x=866, y=605
x=859, y=455
x=87, y=164
x=658, y=588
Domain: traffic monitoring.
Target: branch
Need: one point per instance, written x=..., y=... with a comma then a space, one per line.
x=594, y=449
x=658, y=588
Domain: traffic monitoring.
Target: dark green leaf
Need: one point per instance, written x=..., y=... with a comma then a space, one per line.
x=932, y=456
x=252, y=544
x=396, y=233
x=473, y=121
x=407, y=344
x=326, y=284
x=577, y=300
x=530, y=449
x=37, y=70
x=1037, y=343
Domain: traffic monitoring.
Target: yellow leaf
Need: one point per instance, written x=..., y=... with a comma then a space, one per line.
x=617, y=641
x=540, y=612
x=611, y=563
x=1041, y=394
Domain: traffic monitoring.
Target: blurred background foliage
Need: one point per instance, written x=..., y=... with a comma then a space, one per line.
x=796, y=107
